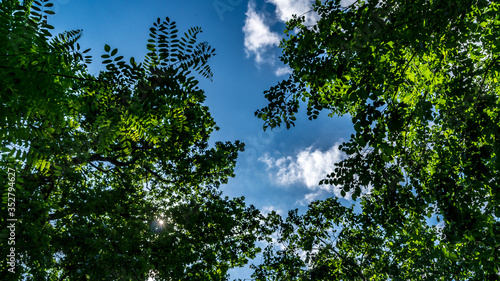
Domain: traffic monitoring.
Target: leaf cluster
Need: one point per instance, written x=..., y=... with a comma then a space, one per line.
x=420, y=82
x=115, y=177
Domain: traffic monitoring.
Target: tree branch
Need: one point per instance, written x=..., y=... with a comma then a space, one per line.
x=113, y=161
x=157, y=175
x=55, y=74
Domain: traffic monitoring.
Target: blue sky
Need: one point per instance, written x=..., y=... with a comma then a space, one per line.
x=280, y=169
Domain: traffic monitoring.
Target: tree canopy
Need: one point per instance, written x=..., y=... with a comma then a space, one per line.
x=420, y=80
x=112, y=176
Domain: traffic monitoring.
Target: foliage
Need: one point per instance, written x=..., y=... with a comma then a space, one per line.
x=420, y=80
x=114, y=176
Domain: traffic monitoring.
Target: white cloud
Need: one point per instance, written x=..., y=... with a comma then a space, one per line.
x=308, y=167
x=310, y=197
x=283, y=71
x=286, y=8
x=258, y=35
x=269, y=209
x=260, y=39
